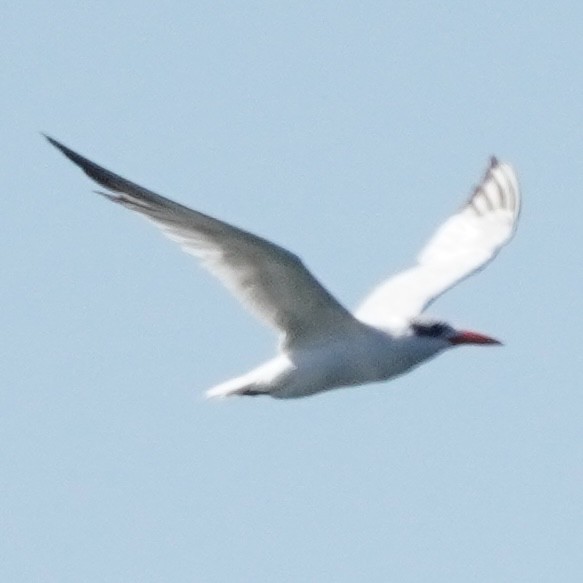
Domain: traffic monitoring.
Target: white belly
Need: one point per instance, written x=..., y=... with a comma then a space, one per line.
x=364, y=360
x=368, y=356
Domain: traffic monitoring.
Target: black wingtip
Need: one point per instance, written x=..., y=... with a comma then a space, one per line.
x=52, y=140
x=73, y=156
x=94, y=171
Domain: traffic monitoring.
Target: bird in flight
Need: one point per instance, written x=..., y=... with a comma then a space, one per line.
x=322, y=345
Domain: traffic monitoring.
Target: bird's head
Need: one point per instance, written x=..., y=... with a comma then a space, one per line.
x=445, y=336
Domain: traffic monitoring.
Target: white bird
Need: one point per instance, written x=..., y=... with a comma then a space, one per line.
x=322, y=345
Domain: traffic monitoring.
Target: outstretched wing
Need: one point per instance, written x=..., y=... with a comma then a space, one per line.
x=270, y=280
x=465, y=243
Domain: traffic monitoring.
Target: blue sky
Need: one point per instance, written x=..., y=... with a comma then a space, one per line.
x=345, y=131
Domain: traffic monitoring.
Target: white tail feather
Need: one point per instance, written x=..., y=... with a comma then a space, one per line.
x=238, y=386
x=265, y=379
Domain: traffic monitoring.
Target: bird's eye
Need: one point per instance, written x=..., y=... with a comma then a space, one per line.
x=433, y=330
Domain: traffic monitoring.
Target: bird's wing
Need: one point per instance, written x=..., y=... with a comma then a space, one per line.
x=270, y=280
x=466, y=242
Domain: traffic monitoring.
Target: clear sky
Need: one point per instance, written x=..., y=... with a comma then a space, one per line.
x=345, y=131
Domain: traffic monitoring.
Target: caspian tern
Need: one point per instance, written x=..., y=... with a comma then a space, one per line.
x=322, y=345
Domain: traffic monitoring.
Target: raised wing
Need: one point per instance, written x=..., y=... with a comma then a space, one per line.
x=466, y=242
x=270, y=280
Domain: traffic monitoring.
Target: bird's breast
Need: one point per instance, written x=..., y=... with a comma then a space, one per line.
x=352, y=361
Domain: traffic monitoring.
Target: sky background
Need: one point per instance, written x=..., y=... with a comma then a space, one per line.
x=345, y=131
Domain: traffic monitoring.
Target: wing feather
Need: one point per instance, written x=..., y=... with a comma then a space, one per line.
x=267, y=278
x=465, y=243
